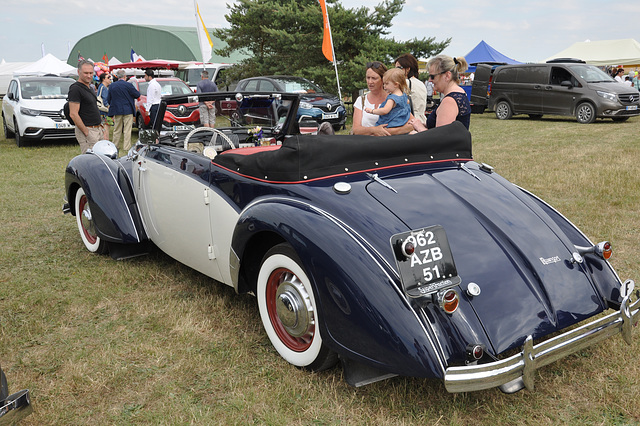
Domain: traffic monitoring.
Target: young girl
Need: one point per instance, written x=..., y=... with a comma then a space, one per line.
x=395, y=111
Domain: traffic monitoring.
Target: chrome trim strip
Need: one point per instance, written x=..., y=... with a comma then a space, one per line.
x=571, y=223
x=532, y=357
x=115, y=180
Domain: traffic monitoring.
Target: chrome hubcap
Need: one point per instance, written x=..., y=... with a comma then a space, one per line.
x=87, y=222
x=293, y=307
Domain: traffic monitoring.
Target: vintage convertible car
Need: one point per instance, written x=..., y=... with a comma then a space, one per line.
x=14, y=407
x=395, y=256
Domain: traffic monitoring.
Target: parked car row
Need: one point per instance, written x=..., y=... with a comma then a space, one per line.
x=559, y=87
x=32, y=108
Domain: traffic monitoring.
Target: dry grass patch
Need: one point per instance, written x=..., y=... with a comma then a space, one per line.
x=148, y=341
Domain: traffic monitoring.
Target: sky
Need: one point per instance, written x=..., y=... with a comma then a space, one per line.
x=524, y=31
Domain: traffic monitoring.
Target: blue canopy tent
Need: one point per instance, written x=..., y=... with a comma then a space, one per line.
x=485, y=54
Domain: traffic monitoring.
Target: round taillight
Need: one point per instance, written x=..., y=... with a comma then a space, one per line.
x=408, y=248
x=477, y=352
x=606, y=250
x=449, y=300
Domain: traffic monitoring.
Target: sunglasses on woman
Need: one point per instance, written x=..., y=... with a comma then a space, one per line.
x=433, y=76
x=374, y=64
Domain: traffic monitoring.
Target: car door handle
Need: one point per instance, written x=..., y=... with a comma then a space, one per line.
x=537, y=86
x=142, y=169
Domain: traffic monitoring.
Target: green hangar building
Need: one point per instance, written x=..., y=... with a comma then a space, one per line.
x=149, y=41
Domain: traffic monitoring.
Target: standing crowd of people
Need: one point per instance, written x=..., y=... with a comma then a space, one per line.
x=395, y=103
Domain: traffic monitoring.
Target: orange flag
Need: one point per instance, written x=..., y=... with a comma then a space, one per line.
x=327, y=45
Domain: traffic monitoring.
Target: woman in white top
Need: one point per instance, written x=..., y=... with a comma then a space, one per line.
x=365, y=123
x=409, y=64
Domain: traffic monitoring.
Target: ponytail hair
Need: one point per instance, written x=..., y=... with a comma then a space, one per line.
x=444, y=63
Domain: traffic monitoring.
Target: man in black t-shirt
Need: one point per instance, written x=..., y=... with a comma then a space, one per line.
x=83, y=108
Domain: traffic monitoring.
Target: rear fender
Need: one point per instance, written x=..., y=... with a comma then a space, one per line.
x=365, y=316
x=109, y=192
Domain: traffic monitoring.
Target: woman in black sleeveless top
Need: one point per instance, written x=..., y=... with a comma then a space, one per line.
x=445, y=71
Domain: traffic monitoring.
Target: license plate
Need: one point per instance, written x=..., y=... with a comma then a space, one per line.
x=178, y=128
x=63, y=125
x=632, y=107
x=329, y=116
x=430, y=266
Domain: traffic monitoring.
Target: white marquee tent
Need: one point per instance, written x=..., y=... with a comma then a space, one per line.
x=48, y=64
x=6, y=73
x=605, y=52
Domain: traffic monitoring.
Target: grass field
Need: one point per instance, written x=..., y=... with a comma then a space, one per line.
x=149, y=341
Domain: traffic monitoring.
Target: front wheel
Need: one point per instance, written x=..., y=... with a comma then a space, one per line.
x=503, y=110
x=289, y=311
x=585, y=113
x=86, y=225
x=19, y=138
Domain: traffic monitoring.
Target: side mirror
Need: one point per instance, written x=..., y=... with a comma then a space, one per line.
x=566, y=83
x=10, y=96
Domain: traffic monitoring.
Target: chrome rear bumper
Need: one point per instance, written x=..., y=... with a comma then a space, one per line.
x=15, y=408
x=517, y=371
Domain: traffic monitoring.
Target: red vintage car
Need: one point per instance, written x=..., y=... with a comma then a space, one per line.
x=176, y=117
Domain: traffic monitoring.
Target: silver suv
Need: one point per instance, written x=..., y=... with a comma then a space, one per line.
x=32, y=109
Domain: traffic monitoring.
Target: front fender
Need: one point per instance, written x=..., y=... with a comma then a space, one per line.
x=364, y=315
x=109, y=192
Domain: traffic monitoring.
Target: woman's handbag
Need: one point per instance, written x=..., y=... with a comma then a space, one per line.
x=101, y=106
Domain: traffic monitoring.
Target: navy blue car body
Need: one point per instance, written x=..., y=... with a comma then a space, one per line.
x=329, y=233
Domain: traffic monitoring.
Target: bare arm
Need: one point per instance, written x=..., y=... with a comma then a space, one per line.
x=447, y=112
x=386, y=109
x=359, y=129
x=74, y=110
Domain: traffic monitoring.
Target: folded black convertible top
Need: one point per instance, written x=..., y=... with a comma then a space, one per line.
x=306, y=157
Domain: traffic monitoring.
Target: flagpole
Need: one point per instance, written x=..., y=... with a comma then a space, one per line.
x=335, y=63
x=327, y=29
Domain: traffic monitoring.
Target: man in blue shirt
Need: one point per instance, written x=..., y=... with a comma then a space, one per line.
x=207, y=109
x=122, y=108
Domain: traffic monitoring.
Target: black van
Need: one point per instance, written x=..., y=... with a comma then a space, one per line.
x=566, y=87
x=481, y=87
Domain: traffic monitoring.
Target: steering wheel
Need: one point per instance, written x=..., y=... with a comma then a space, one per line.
x=218, y=140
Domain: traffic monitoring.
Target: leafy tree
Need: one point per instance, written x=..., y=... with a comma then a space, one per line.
x=285, y=37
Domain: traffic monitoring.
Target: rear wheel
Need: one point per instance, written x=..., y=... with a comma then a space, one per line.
x=585, y=113
x=7, y=133
x=289, y=311
x=86, y=225
x=503, y=110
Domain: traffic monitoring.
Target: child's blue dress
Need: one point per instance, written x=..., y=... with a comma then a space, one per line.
x=399, y=114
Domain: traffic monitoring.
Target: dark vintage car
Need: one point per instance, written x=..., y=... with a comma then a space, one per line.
x=316, y=104
x=395, y=256
x=176, y=117
x=14, y=407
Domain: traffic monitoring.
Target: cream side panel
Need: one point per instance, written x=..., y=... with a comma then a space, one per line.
x=223, y=221
x=178, y=221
